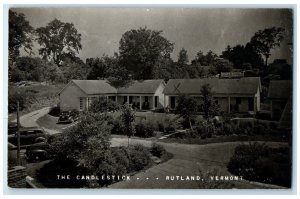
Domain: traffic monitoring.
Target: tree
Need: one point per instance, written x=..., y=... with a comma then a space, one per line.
x=205, y=60
x=222, y=65
x=209, y=106
x=128, y=117
x=266, y=40
x=182, y=57
x=186, y=108
x=20, y=34
x=240, y=55
x=58, y=40
x=85, y=142
x=141, y=49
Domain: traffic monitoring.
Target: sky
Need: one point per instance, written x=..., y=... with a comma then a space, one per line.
x=194, y=29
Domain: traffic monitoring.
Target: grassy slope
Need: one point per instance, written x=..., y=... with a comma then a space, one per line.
x=43, y=96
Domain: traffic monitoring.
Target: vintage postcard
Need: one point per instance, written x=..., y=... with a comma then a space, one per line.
x=150, y=98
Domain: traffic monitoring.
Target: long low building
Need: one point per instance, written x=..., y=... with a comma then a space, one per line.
x=142, y=95
x=232, y=95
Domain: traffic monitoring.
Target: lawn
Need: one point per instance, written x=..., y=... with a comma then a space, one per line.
x=40, y=96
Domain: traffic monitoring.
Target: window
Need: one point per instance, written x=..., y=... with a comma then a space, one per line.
x=146, y=98
x=172, y=101
x=156, y=101
x=238, y=100
x=250, y=103
x=130, y=99
x=81, y=103
x=124, y=99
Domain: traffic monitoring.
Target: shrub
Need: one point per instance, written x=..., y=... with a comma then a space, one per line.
x=144, y=130
x=102, y=104
x=117, y=127
x=261, y=163
x=245, y=127
x=139, y=157
x=205, y=129
x=157, y=150
x=54, y=111
x=24, y=99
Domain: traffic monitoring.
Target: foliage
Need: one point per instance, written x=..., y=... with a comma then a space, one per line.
x=144, y=130
x=34, y=69
x=209, y=106
x=182, y=57
x=205, y=129
x=240, y=55
x=58, y=40
x=221, y=65
x=281, y=68
x=24, y=98
x=186, y=108
x=101, y=104
x=71, y=69
x=128, y=118
x=85, y=142
x=139, y=157
x=157, y=150
x=141, y=49
x=205, y=60
x=259, y=162
x=20, y=34
x=266, y=40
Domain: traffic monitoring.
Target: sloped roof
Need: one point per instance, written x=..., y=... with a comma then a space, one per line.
x=280, y=89
x=93, y=87
x=246, y=85
x=141, y=87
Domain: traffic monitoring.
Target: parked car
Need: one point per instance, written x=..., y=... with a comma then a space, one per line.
x=12, y=127
x=28, y=135
x=40, y=151
x=37, y=152
x=68, y=116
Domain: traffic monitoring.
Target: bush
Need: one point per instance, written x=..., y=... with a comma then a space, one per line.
x=144, y=130
x=54, y=111
x=139, y=157
x=101, y=104
x=24, y=99
x=261, y=163
x=245, y=127
x=117, y=127
x=205, y=129
x=157, y=150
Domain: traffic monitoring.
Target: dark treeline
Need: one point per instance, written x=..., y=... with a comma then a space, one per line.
x=143, y=54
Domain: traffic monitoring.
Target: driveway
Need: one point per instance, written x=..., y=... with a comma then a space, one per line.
x=29, y=119
x=188, y=160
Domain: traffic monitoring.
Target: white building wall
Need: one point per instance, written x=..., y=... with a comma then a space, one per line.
x=159, y=93
x=70, y=98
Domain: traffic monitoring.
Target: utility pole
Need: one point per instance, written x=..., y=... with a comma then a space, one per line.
x=18, y=135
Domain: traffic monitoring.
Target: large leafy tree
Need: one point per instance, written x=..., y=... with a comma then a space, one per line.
x=205, y=60
x=141, y=49
x=20, y=34
x=266, y=40
x=58, y=40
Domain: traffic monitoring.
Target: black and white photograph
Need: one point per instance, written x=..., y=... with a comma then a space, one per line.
x=150, y=97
